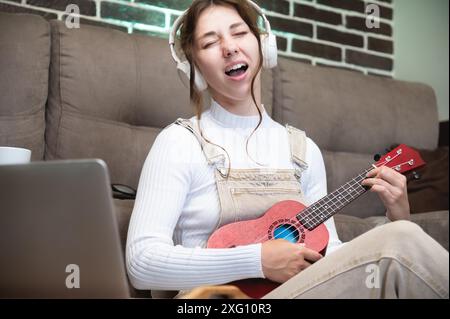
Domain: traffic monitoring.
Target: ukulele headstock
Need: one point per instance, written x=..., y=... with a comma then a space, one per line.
x=402, y=159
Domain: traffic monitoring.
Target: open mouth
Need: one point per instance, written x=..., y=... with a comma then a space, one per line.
x=236, y=70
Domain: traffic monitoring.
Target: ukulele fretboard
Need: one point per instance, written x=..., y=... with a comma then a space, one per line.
x=327, y=206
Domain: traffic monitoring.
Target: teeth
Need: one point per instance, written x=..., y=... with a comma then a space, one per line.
x=235, y=67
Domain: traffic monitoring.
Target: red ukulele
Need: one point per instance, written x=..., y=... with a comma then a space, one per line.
x=294, y=222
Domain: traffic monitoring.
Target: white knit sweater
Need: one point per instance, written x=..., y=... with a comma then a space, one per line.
x=177, y=205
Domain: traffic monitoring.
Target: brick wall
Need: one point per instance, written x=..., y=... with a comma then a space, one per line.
x=320, y=32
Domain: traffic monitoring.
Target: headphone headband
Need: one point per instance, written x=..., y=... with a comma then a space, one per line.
x=178, y=22
x=268, y=48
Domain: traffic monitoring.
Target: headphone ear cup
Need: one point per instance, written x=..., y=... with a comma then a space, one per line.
x=185, y=68
x=269, y=50
x=200, y=82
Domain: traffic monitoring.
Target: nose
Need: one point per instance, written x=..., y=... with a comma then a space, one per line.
x=230, y=48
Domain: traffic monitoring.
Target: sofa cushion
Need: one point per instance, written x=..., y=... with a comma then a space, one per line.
x=111, y=93
x=123, y=210
x=341, y=167
x=24, y=62
x=352, y=117
x=430, y=191
x=100, y=101
x=349, y=227
x=122, y=146
x=434, y=224
x=346, y=111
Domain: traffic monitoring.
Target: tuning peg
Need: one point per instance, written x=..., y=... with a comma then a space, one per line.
x=376, y=157
x=415, y=175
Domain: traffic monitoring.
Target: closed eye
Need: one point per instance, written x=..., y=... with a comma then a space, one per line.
x=207, y=45
x=241, y=33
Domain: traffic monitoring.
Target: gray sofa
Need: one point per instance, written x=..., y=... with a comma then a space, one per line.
x=95, y=92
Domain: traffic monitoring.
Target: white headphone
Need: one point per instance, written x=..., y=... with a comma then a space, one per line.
x=268, y=48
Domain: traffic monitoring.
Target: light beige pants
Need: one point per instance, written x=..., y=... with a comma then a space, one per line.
x=395, y=260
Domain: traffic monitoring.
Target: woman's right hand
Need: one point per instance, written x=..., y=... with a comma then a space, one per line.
x=281, y=259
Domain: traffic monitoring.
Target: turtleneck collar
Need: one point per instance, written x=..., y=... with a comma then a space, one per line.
x=228, y=119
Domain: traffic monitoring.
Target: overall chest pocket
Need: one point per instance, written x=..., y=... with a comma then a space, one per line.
x=253, y=202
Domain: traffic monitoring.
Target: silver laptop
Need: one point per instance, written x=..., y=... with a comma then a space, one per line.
x=58, y=233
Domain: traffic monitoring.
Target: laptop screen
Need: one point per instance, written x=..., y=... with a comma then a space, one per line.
x=58, y=233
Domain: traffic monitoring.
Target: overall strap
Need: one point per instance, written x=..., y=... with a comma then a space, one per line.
x=212, y=153
x=297, y=142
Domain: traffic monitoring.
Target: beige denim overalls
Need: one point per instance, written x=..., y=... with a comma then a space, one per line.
x=247, y=193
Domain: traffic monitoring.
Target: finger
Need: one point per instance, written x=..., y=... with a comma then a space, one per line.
x=388, y=174
x=371, y=182
x=392, y=177
x=385, y=195
x=373, y=172
x=305, y=265
x=396, y=187
x=376, y=181
x=311, y=255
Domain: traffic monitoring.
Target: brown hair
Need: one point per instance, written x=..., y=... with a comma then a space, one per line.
x=187, y=41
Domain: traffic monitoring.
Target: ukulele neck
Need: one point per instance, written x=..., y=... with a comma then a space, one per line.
x=327, y=206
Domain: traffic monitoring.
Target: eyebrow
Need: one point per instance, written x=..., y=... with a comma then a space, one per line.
x=212, y=33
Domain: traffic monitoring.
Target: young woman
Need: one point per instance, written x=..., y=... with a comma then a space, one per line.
x=233, y=162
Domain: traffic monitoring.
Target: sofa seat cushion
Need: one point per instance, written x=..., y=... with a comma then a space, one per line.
x=434, y=224
x=123, y=210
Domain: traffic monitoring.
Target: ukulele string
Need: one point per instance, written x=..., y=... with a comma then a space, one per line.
x=307, y=212
x=328, y=201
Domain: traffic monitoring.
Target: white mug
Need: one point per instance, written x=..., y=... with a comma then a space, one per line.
x=14, y=155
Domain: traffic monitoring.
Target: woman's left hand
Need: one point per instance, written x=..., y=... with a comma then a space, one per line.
x=390, y=186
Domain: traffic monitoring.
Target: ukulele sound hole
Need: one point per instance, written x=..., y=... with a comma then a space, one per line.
x=287, y=232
